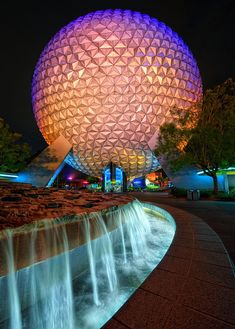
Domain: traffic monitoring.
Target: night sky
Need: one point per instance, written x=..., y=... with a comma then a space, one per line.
x=207, y=27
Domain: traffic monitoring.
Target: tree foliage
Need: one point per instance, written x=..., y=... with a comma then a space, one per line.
x=13, y=154
x=92, y=179
x=208, y=141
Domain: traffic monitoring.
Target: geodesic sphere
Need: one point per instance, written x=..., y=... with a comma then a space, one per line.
x=107, y=81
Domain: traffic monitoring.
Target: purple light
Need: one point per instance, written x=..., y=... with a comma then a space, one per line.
x=109, y=62
x=70, y=178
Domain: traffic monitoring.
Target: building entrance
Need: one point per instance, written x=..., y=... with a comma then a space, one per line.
x=114, y=179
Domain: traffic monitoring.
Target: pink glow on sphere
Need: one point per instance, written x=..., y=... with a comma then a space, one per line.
x=107, y=82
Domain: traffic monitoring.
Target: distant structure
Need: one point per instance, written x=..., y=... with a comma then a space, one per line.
x=107, y=82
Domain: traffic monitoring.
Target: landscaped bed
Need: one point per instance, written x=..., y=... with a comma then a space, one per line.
x=22, y=204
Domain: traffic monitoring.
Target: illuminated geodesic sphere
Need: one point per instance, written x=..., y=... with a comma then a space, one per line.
x=107, y=81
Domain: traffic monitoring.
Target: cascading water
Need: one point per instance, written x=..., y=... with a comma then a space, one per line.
x=13, y=298
x=39, y=296
x=84, y=286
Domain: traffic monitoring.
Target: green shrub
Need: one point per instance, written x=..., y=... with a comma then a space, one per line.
x=226, y=196
x=181, y=192
x=152, y=187
x=232, y=192
x=178, y=192
x=206, y=193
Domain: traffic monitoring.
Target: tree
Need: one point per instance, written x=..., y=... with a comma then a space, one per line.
x=92, y=179
x=13, y=154
x=206, y=140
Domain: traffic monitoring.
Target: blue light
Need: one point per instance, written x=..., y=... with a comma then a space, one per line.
x=8, y=175
x=116, y=184
x=56, y=173
x=119, y=175
x=224, y=169
x=139, y=182
x=107, y=174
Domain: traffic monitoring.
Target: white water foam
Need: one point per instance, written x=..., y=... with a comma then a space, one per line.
x=55, y=294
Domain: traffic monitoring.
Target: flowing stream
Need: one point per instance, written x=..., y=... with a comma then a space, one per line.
x=82, y=288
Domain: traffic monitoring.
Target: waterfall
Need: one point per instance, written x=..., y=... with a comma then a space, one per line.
x=13, y=298
x=45, y=287
x=81, y=285
x=92, y=263
x=107, y=255
x=122, y=237
x=101, y=249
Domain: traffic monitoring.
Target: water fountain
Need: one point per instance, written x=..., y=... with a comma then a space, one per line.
x=76, y=272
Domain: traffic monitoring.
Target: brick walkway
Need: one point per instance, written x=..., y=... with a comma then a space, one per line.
x=193, y=287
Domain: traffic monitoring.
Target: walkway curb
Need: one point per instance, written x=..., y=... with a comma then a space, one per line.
x=193, y=287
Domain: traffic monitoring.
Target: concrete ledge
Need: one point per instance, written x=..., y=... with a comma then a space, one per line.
x=43, y=216
x=193, y=287
x=46, y=238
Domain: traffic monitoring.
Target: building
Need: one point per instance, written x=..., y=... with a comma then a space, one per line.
x=106, y=82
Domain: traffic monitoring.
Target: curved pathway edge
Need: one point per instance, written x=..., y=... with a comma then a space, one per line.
x=193, y=287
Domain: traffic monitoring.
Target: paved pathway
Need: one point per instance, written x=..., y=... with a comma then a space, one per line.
x=193, y=287
x=219, y=215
